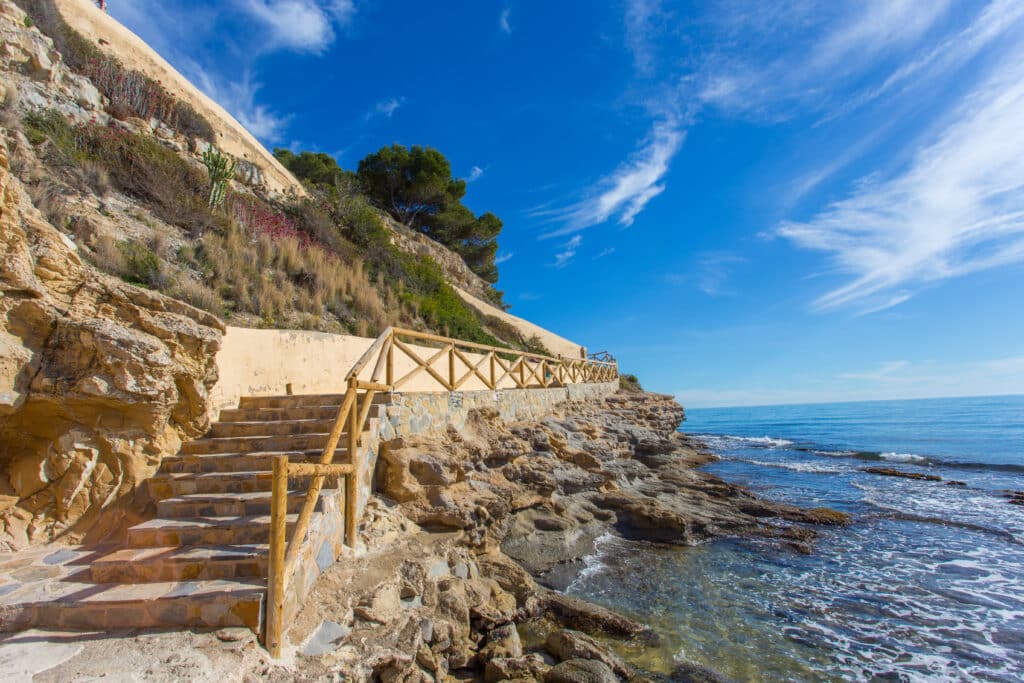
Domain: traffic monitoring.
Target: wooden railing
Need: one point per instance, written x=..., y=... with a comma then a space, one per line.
x=494, y=367
x=451, y=364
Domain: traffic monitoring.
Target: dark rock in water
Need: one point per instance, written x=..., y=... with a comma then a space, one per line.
x=586, y=616
x=956, y=482
x=581, y=671
x=567, y=644
x=1016, y=497
x=687, y=672
x=893, y=472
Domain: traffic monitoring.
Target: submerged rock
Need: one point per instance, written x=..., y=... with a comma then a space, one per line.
x=893, y=472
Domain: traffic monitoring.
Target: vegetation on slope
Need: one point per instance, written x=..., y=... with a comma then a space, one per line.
x=325, y=264
x=130, y=92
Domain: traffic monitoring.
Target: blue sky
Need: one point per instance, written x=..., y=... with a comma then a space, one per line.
x=747, y=203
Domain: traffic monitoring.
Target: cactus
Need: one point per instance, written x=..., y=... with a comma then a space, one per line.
x=221, y=168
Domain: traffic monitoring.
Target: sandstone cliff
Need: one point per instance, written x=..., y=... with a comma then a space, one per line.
x=98, y=380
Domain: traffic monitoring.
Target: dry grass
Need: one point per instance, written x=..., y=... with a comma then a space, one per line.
x=280, y=279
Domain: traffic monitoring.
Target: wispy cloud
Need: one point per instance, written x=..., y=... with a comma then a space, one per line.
x=958, y=208
x=890, y=380
x=625, y=193
x=568, y=252
x=503, y=21
x=385, y=108
x=503, y=257
x=238, y=97
x=475, y=174
x=713, y=271
x=607, y=251
x=886, y=372
x=299, y=25
x=642, y=22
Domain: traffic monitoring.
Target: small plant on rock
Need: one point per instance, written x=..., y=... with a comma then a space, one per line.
x=221, y=168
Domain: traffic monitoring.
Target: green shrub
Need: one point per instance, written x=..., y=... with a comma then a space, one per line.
x=630, y=383
x=141, y=265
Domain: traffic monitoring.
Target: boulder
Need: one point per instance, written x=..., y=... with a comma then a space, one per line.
x=529, y=667
x=580, y=671
x=566, y=644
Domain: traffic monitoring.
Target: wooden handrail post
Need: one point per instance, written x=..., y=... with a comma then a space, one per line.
x=352, y=480
x=390, y=372
x=494, y=372
x=451, y=367
x=278, y=541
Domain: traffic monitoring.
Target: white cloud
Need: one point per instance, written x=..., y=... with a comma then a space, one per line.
x=503, y=21
x=957, y=208
x=713, y=271
x=475, y=174
x=628, y=190
x=568, y=253
x=386, y=108
x=300, y=25
x=607, y=251
x=642, y=21
x=823, y=47
x=503, y=257
x=886, y=372
x=238, y=97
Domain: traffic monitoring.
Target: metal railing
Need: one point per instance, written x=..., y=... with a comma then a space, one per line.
x=493, y=366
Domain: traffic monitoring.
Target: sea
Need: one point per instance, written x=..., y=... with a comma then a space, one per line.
x=926, y=584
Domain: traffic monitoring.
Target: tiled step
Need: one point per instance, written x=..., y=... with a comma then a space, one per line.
x=247, y=444
x=172, y=485
x=300, y=413
x=296, y=401
x=225, y=504
x=190, y=563
x=254, y=414
x=268, y=427
x=241, y=462
x=203, y=531
x=72, y=605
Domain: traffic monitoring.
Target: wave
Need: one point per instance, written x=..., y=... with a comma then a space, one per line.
x=797, y=466
x=724, y=440
x=719, y=442
x=913, y=459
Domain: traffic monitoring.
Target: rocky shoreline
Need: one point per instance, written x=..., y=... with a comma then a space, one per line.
x=476, y=532
x=467, y=547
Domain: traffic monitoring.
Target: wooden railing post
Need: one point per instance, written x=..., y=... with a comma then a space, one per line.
x=278, y=541
x=390, y=373
x=451, y=367
x=352, y=480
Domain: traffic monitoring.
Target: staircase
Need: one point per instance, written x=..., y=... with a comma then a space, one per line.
x=202, y=562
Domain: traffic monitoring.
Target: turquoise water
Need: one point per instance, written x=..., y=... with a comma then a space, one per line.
x=927, y=584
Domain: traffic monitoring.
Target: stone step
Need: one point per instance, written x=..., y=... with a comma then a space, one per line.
x=189, y=563
x=248, y=444
x=269, y=427
x=85, y=606
x=240, y=462
x=233, y=530
x=225, y=504
x=173, y=485
x=294, y=401
x=302, y=413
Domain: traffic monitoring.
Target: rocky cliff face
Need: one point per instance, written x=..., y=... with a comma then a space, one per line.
x=98, y=380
